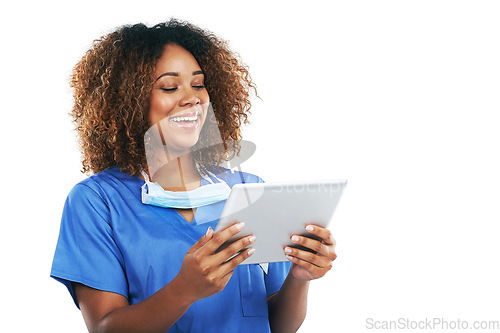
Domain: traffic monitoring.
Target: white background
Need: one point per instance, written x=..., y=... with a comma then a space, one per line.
x=400, y=97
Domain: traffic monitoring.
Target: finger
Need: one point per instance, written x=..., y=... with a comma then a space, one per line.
x=233, y=249
x=219, y=282
x=231, y=264
x=203, y=240
x=225, y=279
x=312, y=244
x=315, y=271
x=322, y=233
x=220, y=237
x=312, y=258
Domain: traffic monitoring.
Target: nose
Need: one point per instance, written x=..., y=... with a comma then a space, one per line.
x=190, y=98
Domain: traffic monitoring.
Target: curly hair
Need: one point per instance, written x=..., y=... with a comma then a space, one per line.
x=113, y=82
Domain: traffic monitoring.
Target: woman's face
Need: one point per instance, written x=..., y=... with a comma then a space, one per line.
x=179, y=98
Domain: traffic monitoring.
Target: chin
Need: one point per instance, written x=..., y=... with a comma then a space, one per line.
x=184, y=145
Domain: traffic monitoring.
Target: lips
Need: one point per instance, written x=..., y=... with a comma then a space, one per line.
x=186, y=120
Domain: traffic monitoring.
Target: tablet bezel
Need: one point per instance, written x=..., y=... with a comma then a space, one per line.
x=270, y=242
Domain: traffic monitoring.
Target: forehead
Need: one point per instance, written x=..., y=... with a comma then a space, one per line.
x=176, y=59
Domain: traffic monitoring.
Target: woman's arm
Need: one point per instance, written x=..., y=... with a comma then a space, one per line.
x=109, y=312
x=203, y=274
x=287, y=308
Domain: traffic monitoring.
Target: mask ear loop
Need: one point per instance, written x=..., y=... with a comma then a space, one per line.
x=145, y=175
x=202, y=174
x=213, y=175
x=146, y=179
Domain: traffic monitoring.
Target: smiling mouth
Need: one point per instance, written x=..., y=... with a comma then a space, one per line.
x=187, y=120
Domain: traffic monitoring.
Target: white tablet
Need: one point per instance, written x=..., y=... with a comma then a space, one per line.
x=272, y=212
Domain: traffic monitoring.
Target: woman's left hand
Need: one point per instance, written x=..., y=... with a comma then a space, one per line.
x=308, y=265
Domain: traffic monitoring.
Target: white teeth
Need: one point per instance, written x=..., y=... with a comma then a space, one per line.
x=184, y=119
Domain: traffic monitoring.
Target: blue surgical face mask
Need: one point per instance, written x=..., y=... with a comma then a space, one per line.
x=154, y=194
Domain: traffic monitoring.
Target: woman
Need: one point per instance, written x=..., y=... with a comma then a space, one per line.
x=132, y=266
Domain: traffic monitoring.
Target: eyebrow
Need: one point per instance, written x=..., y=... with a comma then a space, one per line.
x=177, y=74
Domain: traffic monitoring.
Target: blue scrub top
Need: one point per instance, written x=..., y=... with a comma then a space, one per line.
x=109, y=240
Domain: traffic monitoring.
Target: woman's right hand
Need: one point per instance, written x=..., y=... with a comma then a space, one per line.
x=204, y=271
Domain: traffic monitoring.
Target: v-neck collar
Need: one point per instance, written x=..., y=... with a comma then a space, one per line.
x=203, y=214
x=208, y=215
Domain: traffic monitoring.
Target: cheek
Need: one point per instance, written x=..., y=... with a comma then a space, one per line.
x=204, y=97
x=160, y=108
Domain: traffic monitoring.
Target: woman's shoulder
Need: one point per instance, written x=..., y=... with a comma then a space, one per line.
x=100, y=179
x=102, y=183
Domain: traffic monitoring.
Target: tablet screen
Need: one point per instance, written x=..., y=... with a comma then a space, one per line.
x=275, y=211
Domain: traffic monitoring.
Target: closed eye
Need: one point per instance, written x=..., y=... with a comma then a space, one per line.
x=169, y=89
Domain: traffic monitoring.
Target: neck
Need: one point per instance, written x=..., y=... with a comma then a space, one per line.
x=178, y=174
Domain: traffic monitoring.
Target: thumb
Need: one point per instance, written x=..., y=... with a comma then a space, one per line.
x=203, y=240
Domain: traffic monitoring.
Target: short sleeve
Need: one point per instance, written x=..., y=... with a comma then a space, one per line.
x=86, y=251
